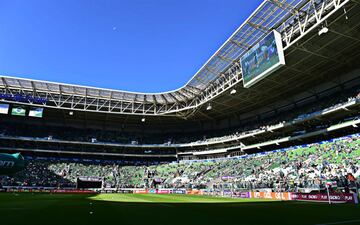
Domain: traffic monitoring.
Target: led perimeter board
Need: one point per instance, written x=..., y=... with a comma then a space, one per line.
x=262, y=59
x=36, y=112
x=4, y=108
x=18, y=111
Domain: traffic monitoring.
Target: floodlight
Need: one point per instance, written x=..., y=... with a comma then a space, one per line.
x=323, y=30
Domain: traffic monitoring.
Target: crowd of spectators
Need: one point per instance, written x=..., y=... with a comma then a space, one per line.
x=310, y=167
x=287, y=170
x=283, y=120
x=302, y=167
x=120, y=137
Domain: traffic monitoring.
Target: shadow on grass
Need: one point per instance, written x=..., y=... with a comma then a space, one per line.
x=78, y=209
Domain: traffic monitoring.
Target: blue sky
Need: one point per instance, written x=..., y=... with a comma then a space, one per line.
x=133, y=45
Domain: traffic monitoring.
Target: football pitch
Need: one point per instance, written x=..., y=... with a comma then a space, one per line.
x=149, y=209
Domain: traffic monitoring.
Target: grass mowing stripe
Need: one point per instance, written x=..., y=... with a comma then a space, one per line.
x=168, y=198
x=120, y=198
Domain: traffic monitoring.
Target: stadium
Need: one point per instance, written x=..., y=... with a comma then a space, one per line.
x=266, y=132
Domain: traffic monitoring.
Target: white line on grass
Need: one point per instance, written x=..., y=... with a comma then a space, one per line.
x=340, y=222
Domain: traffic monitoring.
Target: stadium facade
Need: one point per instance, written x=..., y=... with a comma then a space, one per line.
x=313, y=97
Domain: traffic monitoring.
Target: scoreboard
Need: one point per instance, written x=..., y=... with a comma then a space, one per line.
x=262, y=59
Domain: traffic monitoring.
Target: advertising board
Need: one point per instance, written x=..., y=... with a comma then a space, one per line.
x=323, y=197
x=271, y=195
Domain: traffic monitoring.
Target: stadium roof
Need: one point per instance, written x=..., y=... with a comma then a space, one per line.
x=266, y=17
x=221, y=69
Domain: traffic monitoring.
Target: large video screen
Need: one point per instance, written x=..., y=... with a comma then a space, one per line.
x=262, y=59
x=18, y=111
x=36, y=112
x=4, y=108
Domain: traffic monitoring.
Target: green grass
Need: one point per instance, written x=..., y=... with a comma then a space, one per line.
x=157, y=198
x=129, y=209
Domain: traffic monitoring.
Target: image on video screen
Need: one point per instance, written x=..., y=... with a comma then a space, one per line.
x=262, y=59
x=36, y=112
x=4, y=108
x=18, y=111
